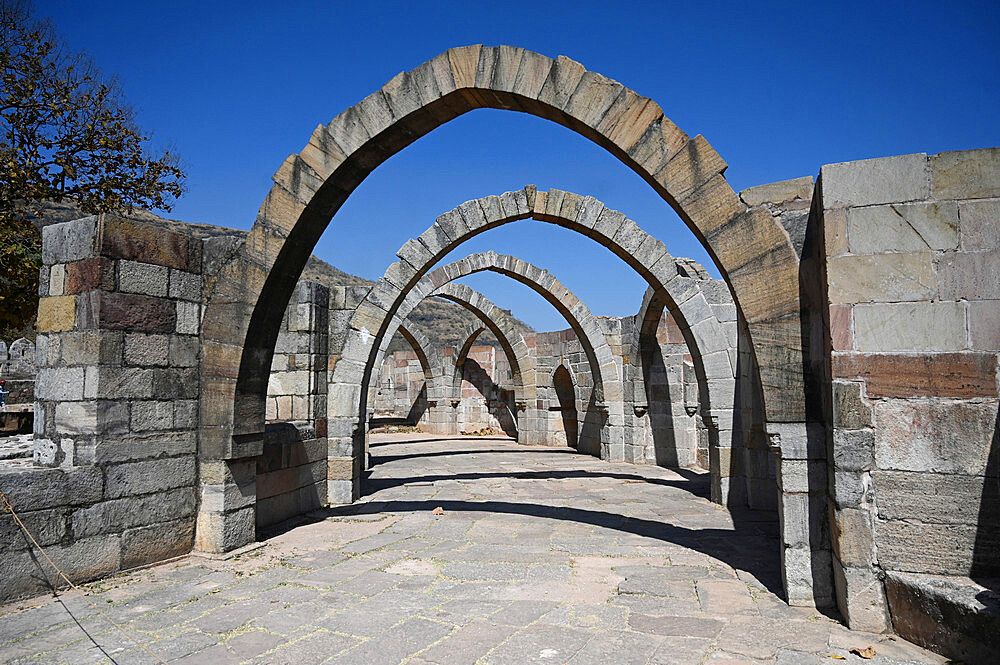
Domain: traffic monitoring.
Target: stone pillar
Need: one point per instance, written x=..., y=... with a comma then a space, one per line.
x=118, y=379
x=805, y=542
x=347, y=438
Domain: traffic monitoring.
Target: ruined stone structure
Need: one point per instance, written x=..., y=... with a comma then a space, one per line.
x=842, y=374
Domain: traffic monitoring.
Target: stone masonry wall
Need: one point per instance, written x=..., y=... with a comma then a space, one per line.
x=912, y=258
x=667, y=433
x=291, y=471
x=549, y=350
x=116, y=403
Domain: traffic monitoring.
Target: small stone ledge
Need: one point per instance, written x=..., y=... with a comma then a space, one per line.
x=953, y=616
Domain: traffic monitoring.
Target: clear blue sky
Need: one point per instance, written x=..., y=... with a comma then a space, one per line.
x=779, y=89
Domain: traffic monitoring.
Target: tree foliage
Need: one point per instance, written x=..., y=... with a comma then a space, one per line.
x=65, y=133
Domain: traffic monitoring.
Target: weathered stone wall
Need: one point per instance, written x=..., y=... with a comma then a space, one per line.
x=291, y=471
x=788, y=202
x=18, y=369
x=670, y=432
x=296, y=387
x=116, y=403
x=912, y=260
x=487, y=400
x=400, y=388
x=563, y=347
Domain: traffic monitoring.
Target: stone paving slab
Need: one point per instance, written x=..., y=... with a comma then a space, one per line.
x=541, y=556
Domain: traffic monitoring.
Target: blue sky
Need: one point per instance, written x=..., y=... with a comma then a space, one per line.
x=779, y=89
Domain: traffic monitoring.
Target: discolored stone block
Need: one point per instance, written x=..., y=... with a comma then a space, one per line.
x=935, y=436
x=133, y=240
x=966, y=174
x=959, y=375
x=980, y=224
x=882, y=278
x=56, y=314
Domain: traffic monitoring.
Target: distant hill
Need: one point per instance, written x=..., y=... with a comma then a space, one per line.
x=443, y=322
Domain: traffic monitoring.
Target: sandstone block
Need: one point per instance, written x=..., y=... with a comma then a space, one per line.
x=156, y=542
x=146, y=477
x=853, y=536
x=147, y=416
x=936, y=436
x=966, y=174
x=779, y=192
x=984, y=325
x=835, y=231
x=926, y=326
x=118, y=515
x=841, y=328
x=188, y=317
x=59, y=384
x=142, y=349
x=57, y=280
x=47, y=527
x=89, y=274
x=183, y=351
x=854, y=450
x=82, y=561
x=882, y=278
x=980, y=224
x=125, y=383
x=941, y=549
x=138, y=241
x=950, y=616
x=861, y=598
x=38, y=489
x=222, y=532
x=915, y=227
x=969, y=275
x=76, y=418
x=56, y=314
x=875, y=181
x=960, y=375
x=145, y=278
x=933, y=497
x=185, y=285
x=69, y=241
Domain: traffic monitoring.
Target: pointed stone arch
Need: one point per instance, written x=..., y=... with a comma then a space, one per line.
x=359, y=349
x=512, y=343
x=247, y=298
x=751, y=249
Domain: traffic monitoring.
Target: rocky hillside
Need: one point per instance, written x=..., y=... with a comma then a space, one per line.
x=443, y=322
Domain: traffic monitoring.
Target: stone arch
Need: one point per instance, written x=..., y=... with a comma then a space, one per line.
x=487, y=384
x=360, y=347
x=751, y=249
x=469, y=335
x=431, y=363
x=250, y=293
x=396, y=292
x=511, y=341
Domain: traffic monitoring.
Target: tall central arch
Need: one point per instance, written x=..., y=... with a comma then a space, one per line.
x=248, y=298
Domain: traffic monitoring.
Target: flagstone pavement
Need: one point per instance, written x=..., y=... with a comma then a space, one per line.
x=538, y=555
